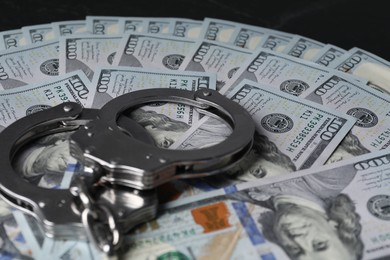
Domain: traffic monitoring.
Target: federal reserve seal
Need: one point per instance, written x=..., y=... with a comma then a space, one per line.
x=36, y=108
x=379, y=206
x=173, y=61
x=294, y=86
x=50, y=67
x=277, y=123
x=365, y=118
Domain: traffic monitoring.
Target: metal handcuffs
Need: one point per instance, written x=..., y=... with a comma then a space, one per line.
x=125, y=164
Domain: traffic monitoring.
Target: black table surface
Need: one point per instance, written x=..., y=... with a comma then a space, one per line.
x=344, y=23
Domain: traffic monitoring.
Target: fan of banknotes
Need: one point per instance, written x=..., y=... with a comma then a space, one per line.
x=315, y=184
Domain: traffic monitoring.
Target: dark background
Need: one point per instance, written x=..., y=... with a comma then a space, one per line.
x=345, y=23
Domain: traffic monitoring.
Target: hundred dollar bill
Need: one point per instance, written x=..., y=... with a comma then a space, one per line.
x=69, y=27
x=304, y=48
x=366, y=65
x=187, y=28
x=152, y=51
x=369, y=106
x=291, y=133
x=19, y=102
x=288, y=74
x=134, y=24
x=217, y=30
x=338, y=211
x=12, y=39
x=211, y=56
x=340, y=92
x=86, y=52
x=28, y=64
x=159, y=25
x=274, y=42
x=329, y=56
x=251, y=37
x=111, y=82
x=38, y=33
x=104, y=25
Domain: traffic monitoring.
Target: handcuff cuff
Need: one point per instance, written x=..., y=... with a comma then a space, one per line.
x=124, y=164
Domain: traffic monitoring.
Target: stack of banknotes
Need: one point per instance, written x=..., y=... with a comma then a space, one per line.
x=316, y=184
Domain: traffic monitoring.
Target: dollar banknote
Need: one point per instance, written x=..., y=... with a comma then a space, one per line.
x=134, y=24
x=104, y=25
x=274, y=42
x=217, y=30
x=366, y=65
x=111, y=82
x=152, y=51
x=367, y=105
x=286, y=73
x=337, y=211
x=12, y=39
x=251, y=37
x=19, y=102
x=248, y=39
x=340, y=92
x=38, y=33
x=86, y=52
x=211, y=56
x=187, y=28
x=304, y=48
x=65, y=28
x=291, y=133
x=159, y=25
x=28, y=64
x=329, y=56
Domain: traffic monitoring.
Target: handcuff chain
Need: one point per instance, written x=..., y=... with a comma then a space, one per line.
x=98, y=220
